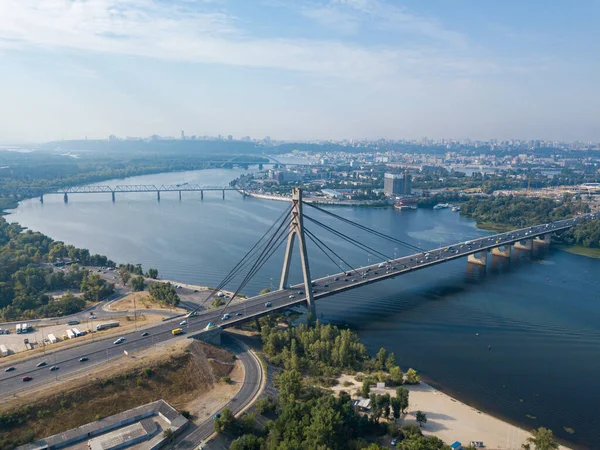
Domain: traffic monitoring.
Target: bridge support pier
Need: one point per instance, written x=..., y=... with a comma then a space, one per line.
x=179, y=195
x=542, y=240
x=212, y=336
x=503, y=251
x=66, y=198
x=478, y=258
x=526, y=244
x=223, y=194
x=297, y=229
x=201, y=194
x=41, y=198
x=113, y=196
x=158, y=195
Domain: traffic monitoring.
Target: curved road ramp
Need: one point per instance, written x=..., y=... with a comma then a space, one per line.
x=145, y=423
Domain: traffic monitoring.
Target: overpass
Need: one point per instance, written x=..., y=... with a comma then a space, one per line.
x=290, y=227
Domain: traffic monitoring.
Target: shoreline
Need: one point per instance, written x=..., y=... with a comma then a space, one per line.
x=451, y=419
x=318, y=200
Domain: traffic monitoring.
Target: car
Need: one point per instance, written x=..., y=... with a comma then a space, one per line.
x=217, y=416
x=118, y=341
x=394, y=441
x=290, y=296
x=195, y=290
x=93, y=316
x=53, y=368
x=209, y=326
x=336, y=279
x=345, y=279
x=83, y=359
x=225, y=316
x=268, y=305
x=26, y=378
x=9, y=369
x=239, y=314
x=145, y=333
x=41, y=364
x=325, y=285
x=354, y=280
x=182, y=323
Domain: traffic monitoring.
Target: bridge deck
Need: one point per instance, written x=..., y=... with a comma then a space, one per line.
x=327, y=286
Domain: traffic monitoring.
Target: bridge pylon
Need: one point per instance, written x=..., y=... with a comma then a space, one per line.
x=297, y=230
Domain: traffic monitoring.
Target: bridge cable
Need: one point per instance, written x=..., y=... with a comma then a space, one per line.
x=318, y=242
x=264, y=257
x=349, y=239
x=365, y=228
x=246, y=258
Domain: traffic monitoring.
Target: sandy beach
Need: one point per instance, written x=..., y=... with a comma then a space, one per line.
x=450, y=419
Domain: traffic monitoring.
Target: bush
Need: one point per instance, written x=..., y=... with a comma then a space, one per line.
x=227, y=380
x=265, y=405
x=185, y=413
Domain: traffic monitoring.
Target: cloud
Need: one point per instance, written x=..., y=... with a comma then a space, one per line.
x=204, y=32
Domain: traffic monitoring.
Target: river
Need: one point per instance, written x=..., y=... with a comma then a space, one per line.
x=541, y=317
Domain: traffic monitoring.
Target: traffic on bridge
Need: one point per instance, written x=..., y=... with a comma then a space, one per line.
x=35, y=371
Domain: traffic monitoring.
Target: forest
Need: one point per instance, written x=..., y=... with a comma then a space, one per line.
x=28, y=272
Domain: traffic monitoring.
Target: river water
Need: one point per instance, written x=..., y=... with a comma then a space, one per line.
x=541, y=317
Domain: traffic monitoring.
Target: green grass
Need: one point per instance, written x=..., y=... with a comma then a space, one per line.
x=491, y=226
x=581, y=251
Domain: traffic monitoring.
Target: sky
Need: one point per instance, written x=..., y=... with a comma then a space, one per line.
x=300, y=69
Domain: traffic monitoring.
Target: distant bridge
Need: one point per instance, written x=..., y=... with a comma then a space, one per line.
x=33, y=191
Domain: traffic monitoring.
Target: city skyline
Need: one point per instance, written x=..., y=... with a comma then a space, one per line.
x=298, y=71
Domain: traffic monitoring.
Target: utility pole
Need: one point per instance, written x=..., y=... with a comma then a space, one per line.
x=297, y=229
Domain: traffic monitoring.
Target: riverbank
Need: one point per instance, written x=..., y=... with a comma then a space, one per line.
x=448, y=418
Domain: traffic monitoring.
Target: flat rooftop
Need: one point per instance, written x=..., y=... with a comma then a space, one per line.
x=140, y=427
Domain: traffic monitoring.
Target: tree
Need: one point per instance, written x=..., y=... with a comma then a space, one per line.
x=421, y=418
x=153, y=273
x=137, y=283
x=366, y=388
x=246, y=442
x=264, y=291
x=124, y=274
x=169, y=435
x=226, y=422
x=289, y=383
x=381, y=358
x=396, y=407
x=390, y=362
x=402, y=395
x=396, y=376
x=376, y=407
x=164, y=293
x=542, y=439
x=412, y=377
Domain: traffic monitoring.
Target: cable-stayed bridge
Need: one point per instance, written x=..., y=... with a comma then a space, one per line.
x=291, y=226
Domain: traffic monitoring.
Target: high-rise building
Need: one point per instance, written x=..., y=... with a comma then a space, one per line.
x=182, y=135
x=397, y=184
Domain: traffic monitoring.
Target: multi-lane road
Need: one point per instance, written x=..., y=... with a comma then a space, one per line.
x=104, y=349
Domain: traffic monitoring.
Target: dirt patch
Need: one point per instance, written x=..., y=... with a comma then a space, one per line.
x=178, y=374
x=140, y=301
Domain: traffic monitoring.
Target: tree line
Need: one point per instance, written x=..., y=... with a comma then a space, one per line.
x=27, y=272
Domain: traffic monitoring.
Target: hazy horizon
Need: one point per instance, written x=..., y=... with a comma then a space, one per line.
x=299, y=70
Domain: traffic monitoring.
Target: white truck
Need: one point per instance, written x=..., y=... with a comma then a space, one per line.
x=70, y=334
x=77, y=332
x=18, y=328
x=3, y=350
x=52, y=339
x=25, y=328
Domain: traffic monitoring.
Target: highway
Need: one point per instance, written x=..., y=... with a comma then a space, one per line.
x=103, y=349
